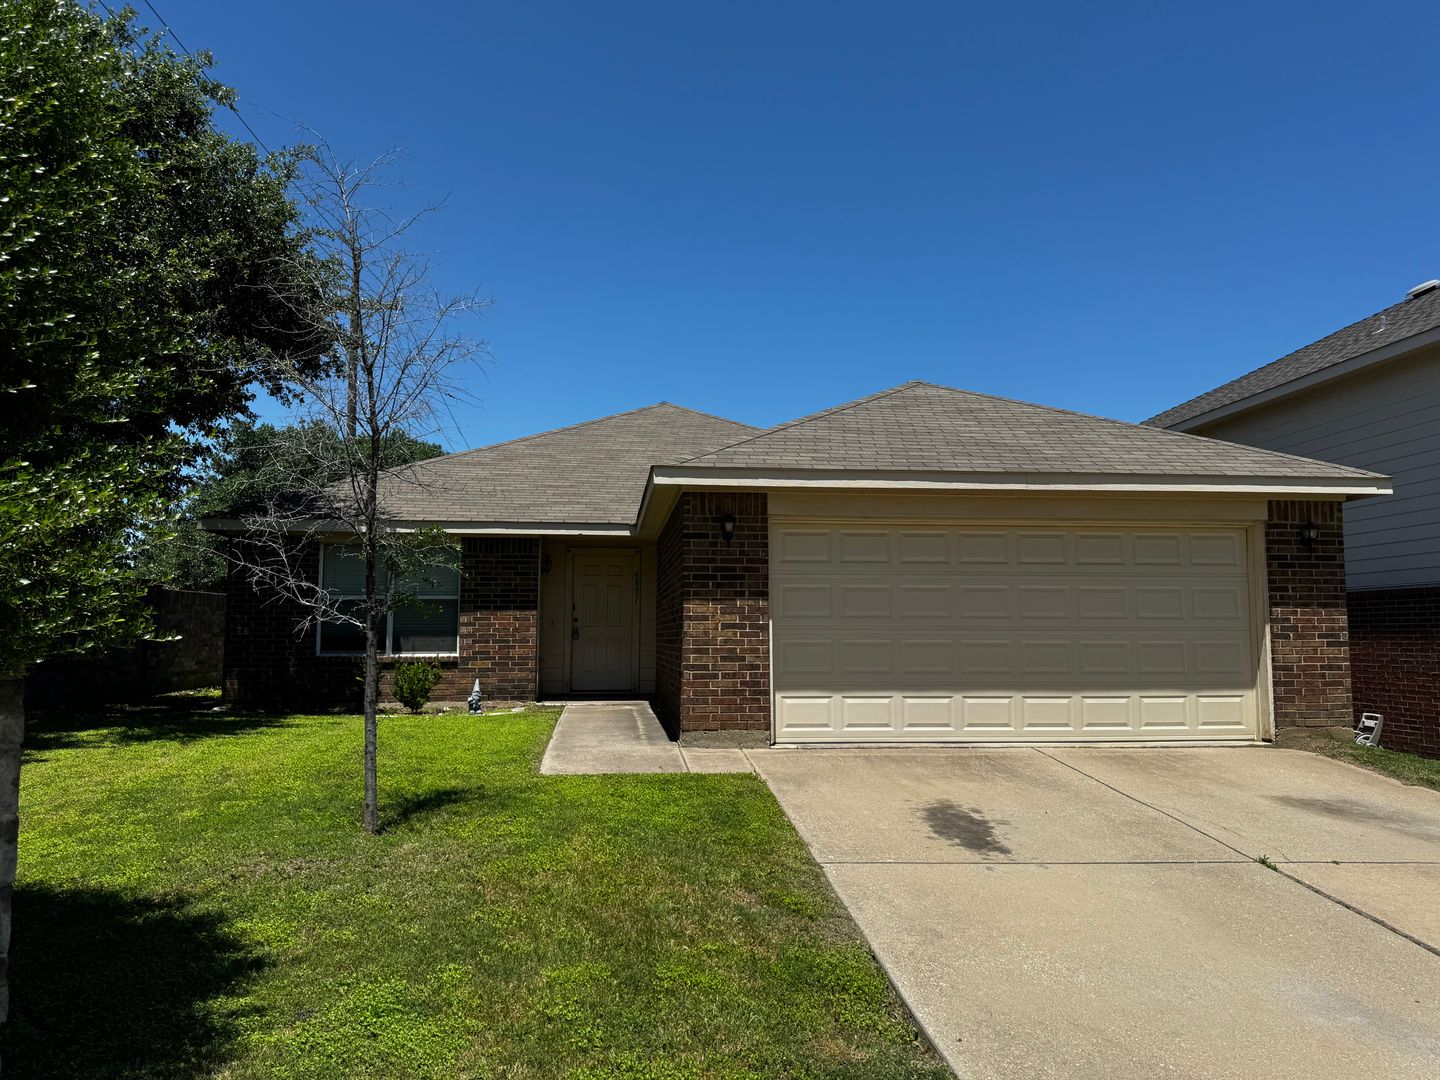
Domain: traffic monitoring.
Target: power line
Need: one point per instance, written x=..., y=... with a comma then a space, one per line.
x=233, y=108
x=168, y=30
x=176, y=38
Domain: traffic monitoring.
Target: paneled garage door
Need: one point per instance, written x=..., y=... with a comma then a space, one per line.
x=911, y=633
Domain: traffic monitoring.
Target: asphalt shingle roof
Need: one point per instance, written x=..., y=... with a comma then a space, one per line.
x=590, y=473
x=1405, y=319
x=923, y=427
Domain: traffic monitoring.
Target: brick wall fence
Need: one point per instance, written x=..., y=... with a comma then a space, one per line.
x=1309, y=634
x=712, y=648
x=269, y=665
x=196, y=622
x=1395, y=664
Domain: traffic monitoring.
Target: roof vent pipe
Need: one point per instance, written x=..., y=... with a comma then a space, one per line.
x=1423, y=288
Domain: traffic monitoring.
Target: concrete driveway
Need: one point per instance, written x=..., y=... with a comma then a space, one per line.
x=1101, y=913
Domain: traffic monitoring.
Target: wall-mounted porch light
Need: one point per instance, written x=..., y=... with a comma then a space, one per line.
x=545, y=565
x=727, y=527
x=1309, y=533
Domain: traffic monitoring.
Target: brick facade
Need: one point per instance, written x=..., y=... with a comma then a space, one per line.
x=267, y=664
x=499, y=620
x=1395, y=664
x=712, y=635
x=669, y=619
x=1309, y=634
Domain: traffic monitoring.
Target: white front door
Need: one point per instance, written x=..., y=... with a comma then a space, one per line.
x=605, y=593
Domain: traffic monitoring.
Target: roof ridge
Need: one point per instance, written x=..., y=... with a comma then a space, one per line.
x=700, y=412
x=573, y=427
x=805, y=420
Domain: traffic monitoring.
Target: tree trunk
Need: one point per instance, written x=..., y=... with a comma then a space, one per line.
x=12, y=735
x=372, y=698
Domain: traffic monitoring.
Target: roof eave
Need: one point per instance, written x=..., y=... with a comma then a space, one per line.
x=457, y=528
x=726, y=477
x=1394, y=351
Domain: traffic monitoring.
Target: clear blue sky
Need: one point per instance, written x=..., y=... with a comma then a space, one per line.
x=761, y=209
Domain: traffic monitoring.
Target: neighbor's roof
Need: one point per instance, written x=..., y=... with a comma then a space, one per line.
x=921, y=427
x=592, y=473
x=1404, y=320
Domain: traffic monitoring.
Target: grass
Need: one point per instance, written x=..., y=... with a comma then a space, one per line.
x=196, y=898
x=1407, y=768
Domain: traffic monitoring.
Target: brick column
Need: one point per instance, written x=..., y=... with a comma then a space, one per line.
x=712, y=619
x=499, y=620
x=1309, y=631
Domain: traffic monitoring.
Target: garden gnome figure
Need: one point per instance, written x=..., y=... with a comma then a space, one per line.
x=474, y=700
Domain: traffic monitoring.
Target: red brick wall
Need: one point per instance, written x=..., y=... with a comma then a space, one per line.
x=268, y=665
x=1395, y=664
x=669, y=619
x=1309, y=636
x=499, y=620
x=712, y=619
x=187, y=654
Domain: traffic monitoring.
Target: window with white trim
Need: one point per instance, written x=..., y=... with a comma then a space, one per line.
x=428, y=626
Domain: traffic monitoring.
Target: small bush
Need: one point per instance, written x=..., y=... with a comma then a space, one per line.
x=414, y=683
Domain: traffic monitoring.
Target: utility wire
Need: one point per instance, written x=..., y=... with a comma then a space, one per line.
x=233, y=108
x=167, y=27
x=176, y=38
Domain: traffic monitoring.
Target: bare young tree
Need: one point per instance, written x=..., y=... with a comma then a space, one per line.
x=403, y=354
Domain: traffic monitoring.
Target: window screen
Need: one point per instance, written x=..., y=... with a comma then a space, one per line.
x=428, y=624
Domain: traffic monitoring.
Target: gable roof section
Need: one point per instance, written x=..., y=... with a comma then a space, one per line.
x=1406, y=319
x=592, y=473
x=923, y=428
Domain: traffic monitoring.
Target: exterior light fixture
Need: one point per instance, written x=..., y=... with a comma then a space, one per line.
x=545, y=565
x=727, y=527
x=1309, y=533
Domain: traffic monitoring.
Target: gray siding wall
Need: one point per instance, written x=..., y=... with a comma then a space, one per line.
x=1386, y=419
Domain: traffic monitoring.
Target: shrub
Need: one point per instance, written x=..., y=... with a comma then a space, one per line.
x=414, y=682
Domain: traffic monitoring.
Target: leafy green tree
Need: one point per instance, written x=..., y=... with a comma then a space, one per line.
x=139, y=305
x=250, y=465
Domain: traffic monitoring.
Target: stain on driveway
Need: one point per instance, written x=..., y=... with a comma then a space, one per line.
x=966, y=827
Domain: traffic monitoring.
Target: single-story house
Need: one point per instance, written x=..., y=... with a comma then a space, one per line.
x=924, y=565
x=1367, y=396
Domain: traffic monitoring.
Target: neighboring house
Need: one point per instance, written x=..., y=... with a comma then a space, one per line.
x=922, y=565
x=1366, y=396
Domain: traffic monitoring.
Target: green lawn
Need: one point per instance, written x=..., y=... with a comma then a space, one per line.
x=1407, y=768
x=196, y=898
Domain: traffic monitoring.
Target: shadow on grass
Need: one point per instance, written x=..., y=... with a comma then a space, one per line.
x=175, y=719
x=398, y=811
x=107, y=985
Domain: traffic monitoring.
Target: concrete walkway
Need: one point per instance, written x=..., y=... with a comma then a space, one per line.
x=1103, y=913
x=597, y=737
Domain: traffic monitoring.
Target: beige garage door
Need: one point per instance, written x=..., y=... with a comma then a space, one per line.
x=911, y=633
